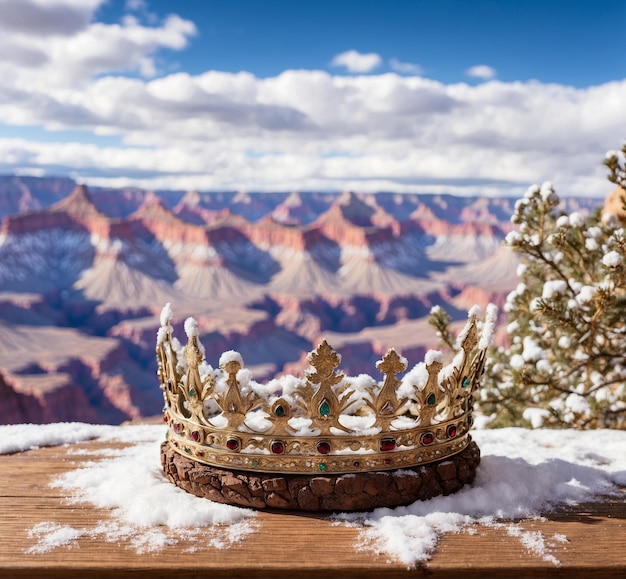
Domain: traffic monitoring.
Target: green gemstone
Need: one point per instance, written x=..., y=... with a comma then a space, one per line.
x=321, y=466
x=465, y=382
x=191, y=393
x=431, y=400
x=280, y=411
x=187, y=449
x=324, y=408
x=255, y=463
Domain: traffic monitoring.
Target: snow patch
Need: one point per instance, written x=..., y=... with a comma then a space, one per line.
x=612, y=259
x=230, y=356
x=191, y=327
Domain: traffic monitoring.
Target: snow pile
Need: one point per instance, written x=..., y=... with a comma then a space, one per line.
x=146, y=509
x=523, y=473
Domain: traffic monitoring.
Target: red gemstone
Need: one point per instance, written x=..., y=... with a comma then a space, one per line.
x=165, y=418
x=232, y=444
x=387, y=444
x=451, y=431
x=387, y=461
x=195, y=435
x=428, y=438
x=277, y=447
x=176, y=427
x=323, y=447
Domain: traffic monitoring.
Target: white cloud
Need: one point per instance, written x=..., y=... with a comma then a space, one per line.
x=54, y=43
x=136, y=5
x=46, y=18
x=309, y=129
x=357, y=62
x=405, y=67
x=300, y=129
x=481, y=71
x=312, y=129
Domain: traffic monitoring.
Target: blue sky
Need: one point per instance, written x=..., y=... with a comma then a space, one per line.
x=564, y=41
x=480, y=97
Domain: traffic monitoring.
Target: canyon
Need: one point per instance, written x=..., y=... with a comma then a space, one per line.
x=85, y=272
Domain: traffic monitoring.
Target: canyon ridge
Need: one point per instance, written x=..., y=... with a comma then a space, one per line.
x=85, y=272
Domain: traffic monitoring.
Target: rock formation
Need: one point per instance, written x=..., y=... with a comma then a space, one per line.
x=85, y=272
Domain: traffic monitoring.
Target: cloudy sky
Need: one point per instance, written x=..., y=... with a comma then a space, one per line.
x=446, y=96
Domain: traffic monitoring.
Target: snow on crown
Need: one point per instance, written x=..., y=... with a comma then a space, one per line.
x=324, y=422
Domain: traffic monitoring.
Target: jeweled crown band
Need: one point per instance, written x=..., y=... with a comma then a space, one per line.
x=325, y=422
x=315, y=455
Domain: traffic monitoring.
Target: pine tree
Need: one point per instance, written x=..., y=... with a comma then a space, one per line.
x=565, y=362
x=614, y=160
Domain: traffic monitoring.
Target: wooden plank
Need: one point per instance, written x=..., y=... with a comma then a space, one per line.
x=285, y=543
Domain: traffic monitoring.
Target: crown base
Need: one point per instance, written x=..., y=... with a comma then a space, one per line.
x=359, y=491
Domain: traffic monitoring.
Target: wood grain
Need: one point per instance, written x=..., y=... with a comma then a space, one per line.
x=287, y=544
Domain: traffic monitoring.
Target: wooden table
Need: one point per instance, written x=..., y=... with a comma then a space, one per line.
x=287, y=544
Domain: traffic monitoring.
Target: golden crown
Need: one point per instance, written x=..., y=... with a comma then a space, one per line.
x=325, y=422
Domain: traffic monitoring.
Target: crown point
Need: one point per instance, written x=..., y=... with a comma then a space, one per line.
x=231, y=367
x=392, y=363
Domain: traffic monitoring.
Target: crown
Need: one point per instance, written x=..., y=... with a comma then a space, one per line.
x=324, y=422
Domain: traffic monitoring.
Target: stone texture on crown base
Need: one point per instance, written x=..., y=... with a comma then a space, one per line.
x=324, y=492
